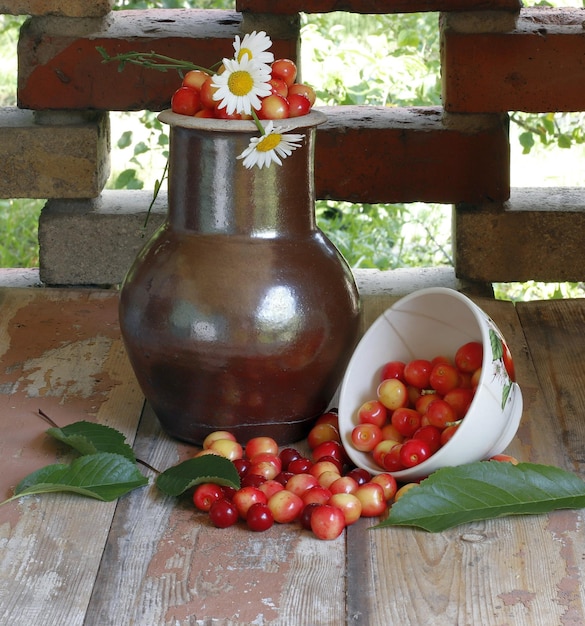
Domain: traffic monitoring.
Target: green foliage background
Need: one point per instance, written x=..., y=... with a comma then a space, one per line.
x=388, y=60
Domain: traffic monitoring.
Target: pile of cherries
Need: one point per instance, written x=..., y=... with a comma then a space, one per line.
x=322, y=491
x=288, y=98
x=419, y=406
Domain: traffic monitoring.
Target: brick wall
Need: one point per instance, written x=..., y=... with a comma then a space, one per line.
x=496, y=57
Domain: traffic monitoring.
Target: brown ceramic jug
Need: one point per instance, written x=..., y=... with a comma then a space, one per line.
x=239, y=314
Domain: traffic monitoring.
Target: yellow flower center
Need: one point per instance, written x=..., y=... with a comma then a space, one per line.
x=244, y=51
x=240, y=83
x=269, y=142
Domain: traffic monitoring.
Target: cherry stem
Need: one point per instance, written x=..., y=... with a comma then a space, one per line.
x=55, y=425
x=47, y=418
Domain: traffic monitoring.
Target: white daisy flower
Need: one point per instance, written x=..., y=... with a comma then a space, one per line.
x=270, y=147
x=254, y=45
x=241, y=85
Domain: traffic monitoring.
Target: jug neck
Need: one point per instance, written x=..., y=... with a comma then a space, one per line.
x=211, y=192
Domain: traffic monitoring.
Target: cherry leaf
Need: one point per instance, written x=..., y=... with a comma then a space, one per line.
x=485, y=490
x=104, y=476
x=209, y=468
x=91, y=438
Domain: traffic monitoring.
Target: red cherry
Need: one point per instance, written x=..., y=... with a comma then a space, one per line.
x=285, y=69
x=273, y=107
x=298, y=105
x=186, y=101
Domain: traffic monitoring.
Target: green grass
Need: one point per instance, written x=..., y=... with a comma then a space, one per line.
x=19, y=221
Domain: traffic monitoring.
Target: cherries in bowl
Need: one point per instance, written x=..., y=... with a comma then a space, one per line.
x=426, y=324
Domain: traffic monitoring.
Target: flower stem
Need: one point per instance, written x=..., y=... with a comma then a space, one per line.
x=259, y=126
x=152, y=60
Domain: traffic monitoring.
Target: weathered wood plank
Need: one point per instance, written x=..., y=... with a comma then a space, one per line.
x=555, y=331
x=509, y=571
x=156, y=561
x=60, y=352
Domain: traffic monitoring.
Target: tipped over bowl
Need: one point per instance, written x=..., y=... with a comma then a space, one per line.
x=422, y=325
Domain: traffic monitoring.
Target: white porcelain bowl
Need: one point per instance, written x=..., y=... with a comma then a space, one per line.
x=425, y=324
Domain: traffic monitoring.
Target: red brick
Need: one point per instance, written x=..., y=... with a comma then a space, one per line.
x=538, y=67
x=538, y=235
x=65, y=8
x=382, y=154
x=372, y=6
x=60, y=68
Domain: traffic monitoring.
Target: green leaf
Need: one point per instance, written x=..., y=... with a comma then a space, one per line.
x=564, y=141
x=140, y=148
x=485, y=490
x=526, y=141
x=125, y=139
x=104, y=476
x=90, y=438
x=209, y=468
x=505, y=393
x=128, y=180
x=496, y=343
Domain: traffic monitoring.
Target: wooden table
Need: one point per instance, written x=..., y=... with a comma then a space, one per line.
x=151, y=560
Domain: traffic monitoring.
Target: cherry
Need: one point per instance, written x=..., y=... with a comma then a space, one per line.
x=303, y=90
x=285, y=69
x=440, y=413
x=360, y=475
x=371, y=495
x=195, y=79
x=207, y=91
x=205, y=495
x=258, y=445
x=223, y=513
x=317, y=494
x=444, y=377
x=243, y=466
x=469, y=356
x=392, y=393
x=273, y=107
x=259, y=517
x=459, y=399
x=430, y=434
x=283, y=478
x=306, y=514
x=300, y=466
x=252, y=480
x=245, y=497
x=277, y=85
x=186, y=101
x=327, y=521
x=372, y=412
x=417, y=373
x=388, y=484
x=329, y=448
x=350, y=506
x=298, y=105
x=393, y=369
x=391, y=461
x=406, y=421
x=287, y=455
x=320, y=433
x=365, y=437
x=414, y=452
x=285, y=506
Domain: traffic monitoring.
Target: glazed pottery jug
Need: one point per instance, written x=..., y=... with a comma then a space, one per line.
x=238, y=314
